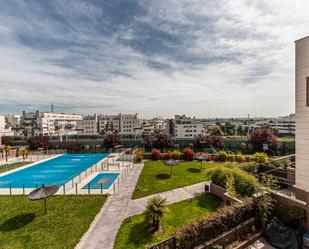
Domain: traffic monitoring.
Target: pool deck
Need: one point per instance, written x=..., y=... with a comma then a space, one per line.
x=103, y=231
x=83, y=178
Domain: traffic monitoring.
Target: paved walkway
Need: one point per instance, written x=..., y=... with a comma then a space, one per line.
x=137, y=206
x=103, y=230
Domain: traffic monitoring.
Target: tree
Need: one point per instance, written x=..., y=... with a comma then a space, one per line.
x=24, y=153
x=158, y=141
x=155, y=209
x=71, y=146
x=111, y=140
x=188, y=154
x=40, y=141
x=7, y=150
x=262, y=136
x=203, y=141
x=6, y=140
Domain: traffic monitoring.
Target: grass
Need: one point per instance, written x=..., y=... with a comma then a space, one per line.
x=286, y=139
x=4, y=168
x=134, y=232
x=156, y=178
x=24, y=225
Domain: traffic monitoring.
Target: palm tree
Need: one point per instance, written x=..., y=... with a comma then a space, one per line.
x=7, y=150
x=155, y=209
x=24, y=152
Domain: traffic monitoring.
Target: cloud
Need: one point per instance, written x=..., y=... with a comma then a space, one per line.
x=204, y=58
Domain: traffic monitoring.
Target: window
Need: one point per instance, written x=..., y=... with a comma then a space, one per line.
x=307, y=92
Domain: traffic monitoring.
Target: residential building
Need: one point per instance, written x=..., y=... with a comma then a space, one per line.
x=12, y=121
x=125, y=124
x=2, y=123
x=186, y=127
x=284, y=125
x=29, y=123
x=57, y=124
x=88, y=125
x=302, y=118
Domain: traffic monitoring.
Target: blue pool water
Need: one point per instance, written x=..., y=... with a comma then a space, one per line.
x=56, y=171
x=106, y=179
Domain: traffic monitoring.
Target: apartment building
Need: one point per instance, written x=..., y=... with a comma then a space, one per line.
x=54, y=124
x=29, y=123
x=12, y=121
x=284, y=125
x=186, y=127
x=2, y=123
x=302, y=118
x=88, y=125
x=125, y=124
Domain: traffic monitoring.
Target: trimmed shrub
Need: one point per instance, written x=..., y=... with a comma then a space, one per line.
x=176, y=154
x=245, y=184
x=166, y=156
x=207, y=228
x=283, y=164
x=260, y=157
x=249, y=166
x=138, y=155
x=155, y=154
x=222, y=156
x=188, y=154
x=240, y=158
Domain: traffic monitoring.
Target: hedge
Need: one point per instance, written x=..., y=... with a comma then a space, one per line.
x=244, y=183
x=207, y=228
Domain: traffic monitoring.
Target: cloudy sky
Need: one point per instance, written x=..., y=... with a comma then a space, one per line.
x=208, y=58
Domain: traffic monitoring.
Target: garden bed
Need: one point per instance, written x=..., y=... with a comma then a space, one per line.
x=134, y=232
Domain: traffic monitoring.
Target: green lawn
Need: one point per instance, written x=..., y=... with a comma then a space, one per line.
x=24, y=225
x=156, y=178
x=134, y=232
x=4, y=168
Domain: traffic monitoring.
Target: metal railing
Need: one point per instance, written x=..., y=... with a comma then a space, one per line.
x=77, y=185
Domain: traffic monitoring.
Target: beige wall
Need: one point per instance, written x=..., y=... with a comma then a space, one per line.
x=302, y=114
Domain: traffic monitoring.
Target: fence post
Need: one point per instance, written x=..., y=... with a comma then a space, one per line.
x=23, y=189
x=88, y=189
x=10, y=189
x=114, y=188
x=63, y=189
x=101, y=188
x=76, y=188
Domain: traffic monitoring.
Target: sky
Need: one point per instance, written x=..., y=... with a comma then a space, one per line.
x=204, y=58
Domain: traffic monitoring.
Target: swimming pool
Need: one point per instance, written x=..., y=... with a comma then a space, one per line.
x=103, y=179
x=55, y=171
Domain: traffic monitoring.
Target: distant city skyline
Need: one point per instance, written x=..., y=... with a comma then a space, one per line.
x=212, y=58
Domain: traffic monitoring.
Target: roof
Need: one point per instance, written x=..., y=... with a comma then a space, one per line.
x=306, y=37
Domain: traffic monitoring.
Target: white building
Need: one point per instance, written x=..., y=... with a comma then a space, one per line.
x=190, y=130
x=302, y=118
x=186, y=127
x=2, y=123
x=54, y=124
x=284, y=125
